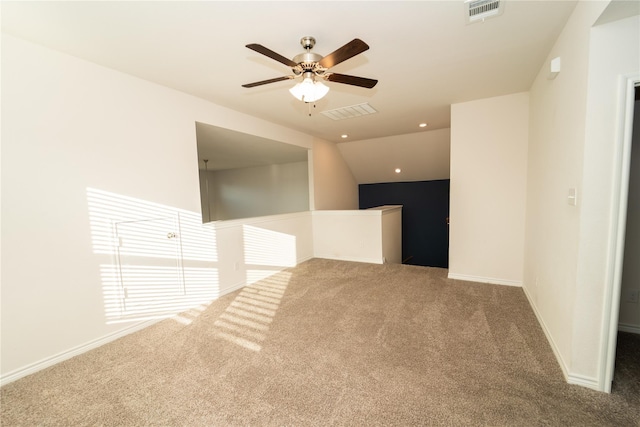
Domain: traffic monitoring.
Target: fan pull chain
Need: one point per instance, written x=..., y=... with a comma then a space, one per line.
x=309, y=104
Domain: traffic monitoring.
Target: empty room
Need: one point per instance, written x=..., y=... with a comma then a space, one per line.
x=320, y=213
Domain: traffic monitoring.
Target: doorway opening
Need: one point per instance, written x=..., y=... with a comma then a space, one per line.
x=626, y=376
x=625, y=239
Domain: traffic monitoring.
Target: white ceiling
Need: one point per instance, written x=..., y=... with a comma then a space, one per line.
x=423, y=53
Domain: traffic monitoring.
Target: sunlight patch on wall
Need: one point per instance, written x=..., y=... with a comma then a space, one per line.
x=266, y=252
x=247, y=319
x=164, y=260
x=106, y=209
x=267, y=247
x=264, y=247
x=139, y=292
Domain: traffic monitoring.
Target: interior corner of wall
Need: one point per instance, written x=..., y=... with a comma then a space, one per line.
x=312, y=197
x=564, y=366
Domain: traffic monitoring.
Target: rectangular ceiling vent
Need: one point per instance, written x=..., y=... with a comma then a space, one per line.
x=350, y=112
x=479, y=10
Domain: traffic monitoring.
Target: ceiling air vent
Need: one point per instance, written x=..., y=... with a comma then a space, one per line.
x=479, y=10
x=349, y=112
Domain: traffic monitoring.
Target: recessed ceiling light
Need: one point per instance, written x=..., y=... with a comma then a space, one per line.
x=344, y=136
x=423, y=125
x=398, y=170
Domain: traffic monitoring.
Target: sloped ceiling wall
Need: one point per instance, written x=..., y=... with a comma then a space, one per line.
x=421, y=156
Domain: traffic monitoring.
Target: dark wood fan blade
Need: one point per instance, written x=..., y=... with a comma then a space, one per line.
x=264, y=82
x=271, y=54
x=347, y=51
x=352, y=80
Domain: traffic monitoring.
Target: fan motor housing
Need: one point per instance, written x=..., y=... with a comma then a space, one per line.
x=308, y=61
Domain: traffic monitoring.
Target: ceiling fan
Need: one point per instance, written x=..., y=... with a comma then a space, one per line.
x=311, y=65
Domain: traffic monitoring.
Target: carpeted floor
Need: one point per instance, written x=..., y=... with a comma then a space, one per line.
x=626, y=377
x=327, y=343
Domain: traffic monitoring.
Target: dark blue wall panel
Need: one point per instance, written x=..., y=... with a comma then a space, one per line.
x=425, y=209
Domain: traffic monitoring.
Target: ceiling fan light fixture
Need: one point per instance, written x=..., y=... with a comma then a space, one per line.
x=310, y=65
x=309, y=90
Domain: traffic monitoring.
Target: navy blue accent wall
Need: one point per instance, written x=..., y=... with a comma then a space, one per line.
x=425, y=209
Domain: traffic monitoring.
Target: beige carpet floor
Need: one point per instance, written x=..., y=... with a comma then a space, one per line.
x=326, y=343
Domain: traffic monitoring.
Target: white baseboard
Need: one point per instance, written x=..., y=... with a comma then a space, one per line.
x=233, y=288
x=571, y=378
x=83, y=348
x=304, y=258
x=479, y=279
x=75, y=351
x=584, y=381
x=554, y=347
x=353, y=259
x=626, y=327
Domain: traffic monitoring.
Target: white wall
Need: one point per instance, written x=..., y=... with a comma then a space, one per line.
x=392, y=235
x=630, y=312
x=488, y=189
x=572, y=144
x=368, y=235
x=333, y=184
x=70, y=126
x=259, y=191
x=252, y=249
x=556, y=144
x=375, y=160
